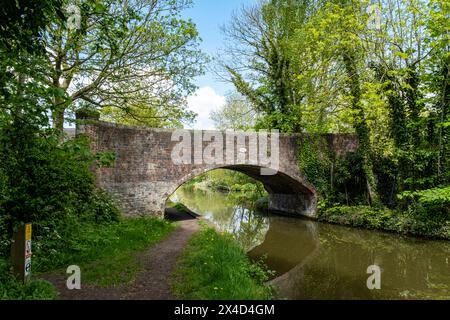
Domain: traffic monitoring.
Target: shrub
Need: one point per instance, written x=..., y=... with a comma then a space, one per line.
x=11, y=289
x=435, y=201
x=336, y=179
x=405, y=222
x=49, y=183
x=102, y=208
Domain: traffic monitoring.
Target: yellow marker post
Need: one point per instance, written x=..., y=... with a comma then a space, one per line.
x=21, y=252
x=28, y=231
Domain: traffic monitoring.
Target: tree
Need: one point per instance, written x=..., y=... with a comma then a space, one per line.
x=378, y=82
x=330, y=68
x=236, y=114
x=409, y=59
x=43, y=180
x=128, y=56
x=438, y=81
x=259, y=64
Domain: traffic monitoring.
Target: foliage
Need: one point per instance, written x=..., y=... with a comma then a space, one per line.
x=132, y=61
x=236, y=114
x=49, y=183
x=430, y=196
x=24, y=20
x=105, y=252
x=326, y=67
x=238, y=185
x=258, y=62
x=43, y=179
x=338, y=180
x=10, y=289
x=215, y=267
x=315, y=165
x=405, y=222
x=149, y=115
x=435, y=201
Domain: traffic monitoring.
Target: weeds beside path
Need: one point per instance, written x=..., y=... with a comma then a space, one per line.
x=215, y=267
x=151, y=283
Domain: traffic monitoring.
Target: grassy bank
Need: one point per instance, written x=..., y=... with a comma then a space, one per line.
x=104, y=252
x=410, y=223
x=214, y=266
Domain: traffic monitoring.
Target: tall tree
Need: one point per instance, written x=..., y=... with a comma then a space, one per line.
x=409, y=55
x=330, y=65
x=259, y=64
x=126, y=56
x=438, y=80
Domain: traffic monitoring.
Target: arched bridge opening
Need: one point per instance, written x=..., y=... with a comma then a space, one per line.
x=286, y=195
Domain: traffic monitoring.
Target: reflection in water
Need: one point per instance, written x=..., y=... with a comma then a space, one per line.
x=321, y=261
x=248, y=227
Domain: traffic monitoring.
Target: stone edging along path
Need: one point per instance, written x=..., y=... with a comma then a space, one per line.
x=151, y=283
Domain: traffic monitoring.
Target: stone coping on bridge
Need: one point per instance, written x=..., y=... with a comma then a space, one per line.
x=83, y=122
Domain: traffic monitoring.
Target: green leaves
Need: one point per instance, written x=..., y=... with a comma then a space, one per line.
x=429, y=224
x=45, y=181
x=135, y=62
x=105, y=159
x=434, y=196
x=13, y=289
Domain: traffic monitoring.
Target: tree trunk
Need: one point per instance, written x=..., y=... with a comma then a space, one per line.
x=58, y=114
x=414, y=104
x=361, y=128
x=443, y=131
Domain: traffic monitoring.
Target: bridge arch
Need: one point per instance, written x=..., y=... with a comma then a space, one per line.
x=287, y=194
x=145, y=175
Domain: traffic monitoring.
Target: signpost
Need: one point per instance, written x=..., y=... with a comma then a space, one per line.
x=21, y=252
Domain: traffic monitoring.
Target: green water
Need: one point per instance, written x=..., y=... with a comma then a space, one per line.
x=315, y=260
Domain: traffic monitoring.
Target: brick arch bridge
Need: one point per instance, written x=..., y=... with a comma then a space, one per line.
x=145, y=174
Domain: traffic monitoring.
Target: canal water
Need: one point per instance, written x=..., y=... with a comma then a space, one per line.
x=313, y=260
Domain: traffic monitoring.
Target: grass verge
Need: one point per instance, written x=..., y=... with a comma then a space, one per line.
x=215, y=267
x=388, y=220
x=106, y=254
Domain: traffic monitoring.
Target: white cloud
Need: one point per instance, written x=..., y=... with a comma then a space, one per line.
x=202, y=102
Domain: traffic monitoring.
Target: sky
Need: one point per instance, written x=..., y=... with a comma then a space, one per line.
x=209, y=16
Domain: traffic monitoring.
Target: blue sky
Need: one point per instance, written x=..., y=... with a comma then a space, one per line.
x=209, y=16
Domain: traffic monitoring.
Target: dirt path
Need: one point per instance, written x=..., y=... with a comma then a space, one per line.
x=152, y=283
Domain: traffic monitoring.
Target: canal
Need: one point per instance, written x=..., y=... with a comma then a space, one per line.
x=314, y=260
